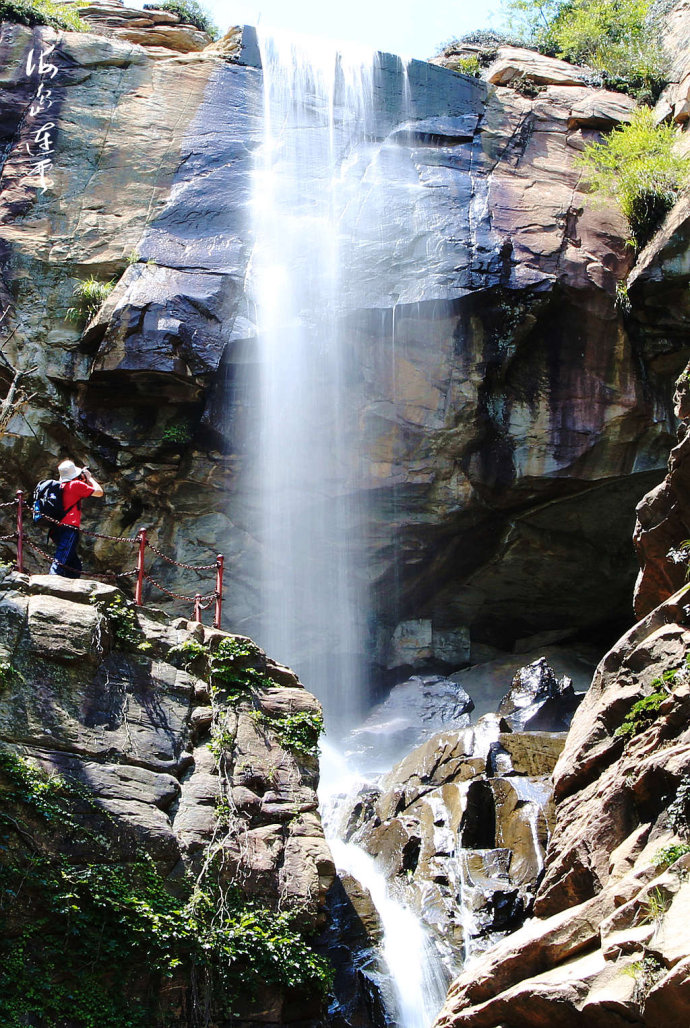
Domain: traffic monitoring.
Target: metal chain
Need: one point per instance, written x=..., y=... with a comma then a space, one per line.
x=6, y=538
x=179, y=596
x=187, y=567
x=11, y=503
x=96, y=535
x=92, y=574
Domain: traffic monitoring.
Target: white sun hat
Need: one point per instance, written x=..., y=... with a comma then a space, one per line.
x=68, y=471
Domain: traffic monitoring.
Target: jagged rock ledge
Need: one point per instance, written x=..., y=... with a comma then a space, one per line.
x=130, y=741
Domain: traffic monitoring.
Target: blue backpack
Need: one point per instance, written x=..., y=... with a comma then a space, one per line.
x=48, y=501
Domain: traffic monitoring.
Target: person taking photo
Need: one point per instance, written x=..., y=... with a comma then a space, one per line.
x=76, y=484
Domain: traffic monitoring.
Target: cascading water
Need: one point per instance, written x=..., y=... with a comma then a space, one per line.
x=419, y=985
x=318, y=105
x=321, y=196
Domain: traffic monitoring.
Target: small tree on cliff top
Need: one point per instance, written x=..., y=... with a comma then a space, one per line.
x=637, y=165
x=618, y=38
x=190, y=12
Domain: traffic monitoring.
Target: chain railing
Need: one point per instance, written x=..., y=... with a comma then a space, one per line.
x=199, y=601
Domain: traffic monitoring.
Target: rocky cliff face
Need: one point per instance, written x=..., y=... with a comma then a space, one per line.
x=161, y=857
x=507, y=434
x=608, y=945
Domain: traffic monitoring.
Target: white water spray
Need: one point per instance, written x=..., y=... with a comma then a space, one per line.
x=407, y=950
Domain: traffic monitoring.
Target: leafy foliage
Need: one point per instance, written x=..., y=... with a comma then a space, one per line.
x=8, y=674
x=90, y=944
x=230, y=666
x=637, y=166
x=617, y=38
x=189, y=12
x=679, y=810
x=300, y=732
x=123, y=620
x=641, y=715
x=179, y=434
x=469, y=66
x=89, y=298
x=42, y=12
x=188, y=653
x=668, y=855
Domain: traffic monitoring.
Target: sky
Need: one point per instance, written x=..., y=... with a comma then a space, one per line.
x=411, y=28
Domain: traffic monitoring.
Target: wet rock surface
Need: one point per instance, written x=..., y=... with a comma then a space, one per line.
x=599, y=950
x=414, y=710
x=538, y=701
x=459, y=827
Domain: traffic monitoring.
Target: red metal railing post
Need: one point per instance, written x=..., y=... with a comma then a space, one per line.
x=141, y=560
x=220, y=563
x=197, y=608
x=20, y=530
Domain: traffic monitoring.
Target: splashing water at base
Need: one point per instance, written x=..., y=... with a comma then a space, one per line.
x=419, y=989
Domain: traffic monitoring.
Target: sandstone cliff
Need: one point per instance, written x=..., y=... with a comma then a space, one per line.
x=609, y=943
x=161, y=854
x=506, y=435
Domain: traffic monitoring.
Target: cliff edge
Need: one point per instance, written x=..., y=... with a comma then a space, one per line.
x=161, y=854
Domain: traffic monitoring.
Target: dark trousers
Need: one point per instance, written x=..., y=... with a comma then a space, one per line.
x=66, y=561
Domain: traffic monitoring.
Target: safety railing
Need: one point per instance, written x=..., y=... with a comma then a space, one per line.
x=199, y=601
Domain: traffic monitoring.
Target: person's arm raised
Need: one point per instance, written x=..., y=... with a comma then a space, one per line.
x=97, y=489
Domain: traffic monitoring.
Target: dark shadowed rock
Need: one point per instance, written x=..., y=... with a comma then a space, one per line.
x=538, y=701
x=414, y=711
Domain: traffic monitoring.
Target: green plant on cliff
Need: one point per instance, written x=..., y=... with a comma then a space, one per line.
x=91, y=943
x=89, y=297
x=299, y=732
x=637, y=166
x=8, y=674
x=641, y=715
x=679, y=810
x=668, y=855
x=178, y=434
x=42, y=12
x=469, y=66
x=189, y=12
x=124, y=623
x=619, y=39
x=230, y=667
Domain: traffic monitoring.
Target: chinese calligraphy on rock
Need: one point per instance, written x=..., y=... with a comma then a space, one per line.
x=41, y=144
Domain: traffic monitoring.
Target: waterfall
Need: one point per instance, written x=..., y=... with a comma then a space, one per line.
x=334, y=196
x=419, y=986
x=318, y=107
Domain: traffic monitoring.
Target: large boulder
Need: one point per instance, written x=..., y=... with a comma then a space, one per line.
x=613, y=895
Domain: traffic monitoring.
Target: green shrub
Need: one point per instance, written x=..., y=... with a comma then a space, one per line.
x=230, y=666
x=668, y=855
x=93, y=943
x=300, y=732
x=189, y=12
x=124, y=623
x=679, y=810
x=179, y=434
x=89, y=297
x=617, y=38
x=641, y=715
x=188, y=653
x=42, y=12
x=637, y=166
x=8, y=674
x=468, y=66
